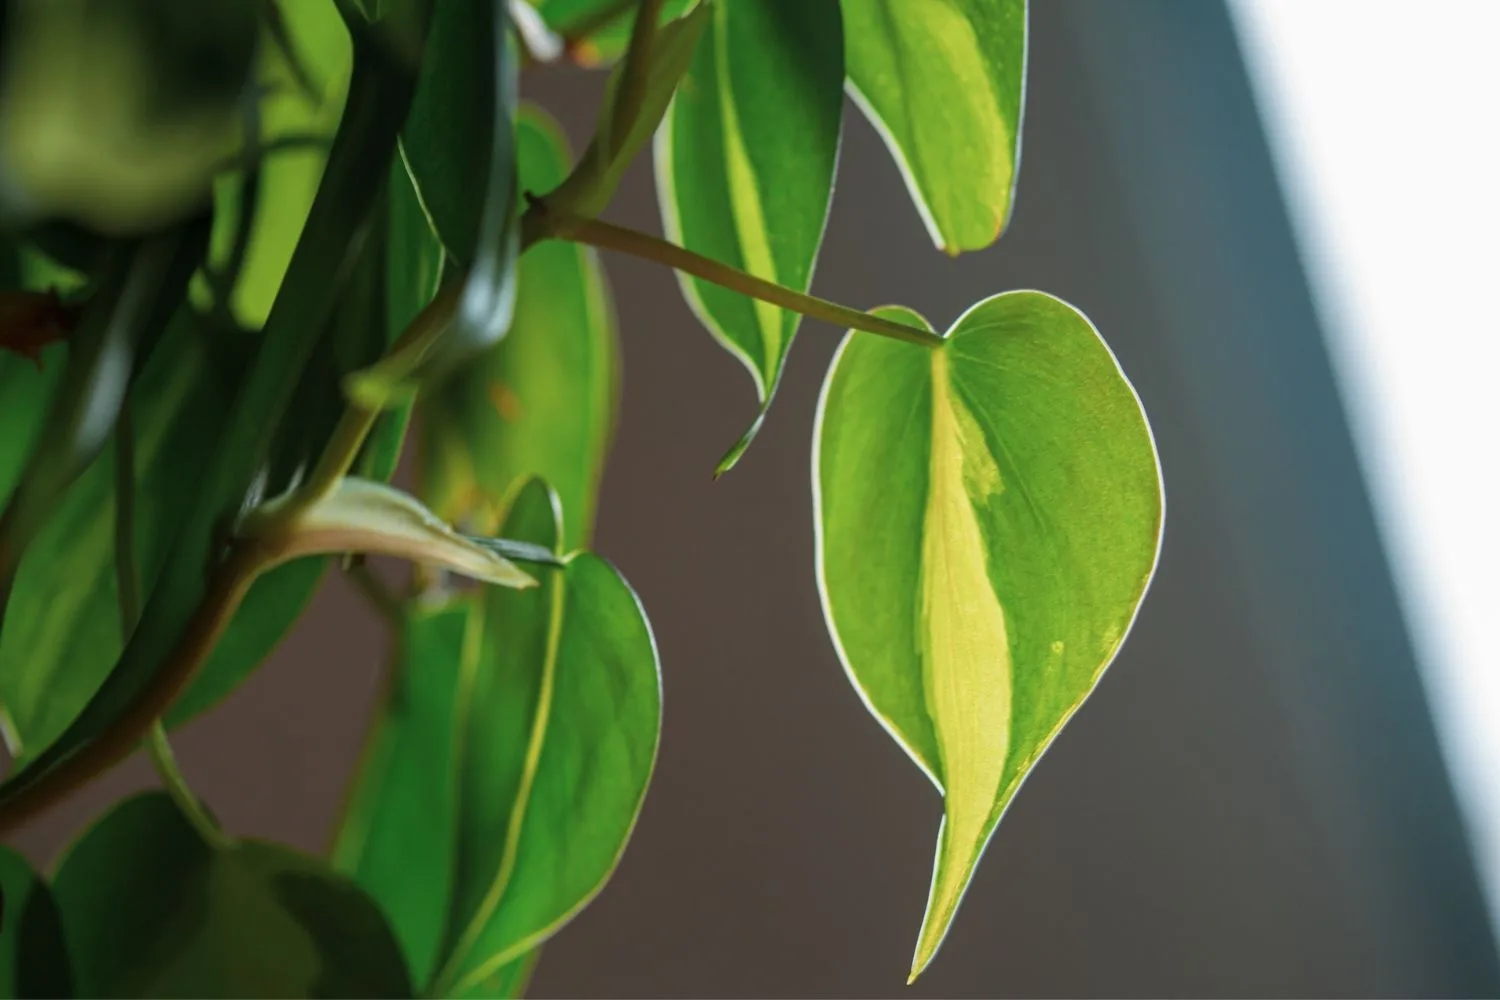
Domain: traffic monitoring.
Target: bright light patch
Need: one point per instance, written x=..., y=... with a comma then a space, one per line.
x=1382, y=122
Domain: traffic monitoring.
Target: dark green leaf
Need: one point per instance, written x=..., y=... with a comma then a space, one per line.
x=541, y=402
x=62, y=626
x=379, y=95
x=152, y=910
x=988, y=518
x=471, y=64
x=745, y=163
x=33, y=957
x=560, y=720
x=414, y=267
x=397, y=839
x=943, y=82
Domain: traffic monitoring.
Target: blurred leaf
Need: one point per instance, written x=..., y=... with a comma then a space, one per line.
x=560, y=719
x=26, y=389
x=150, y=909
x=541, y=402
x=988, y=516
x=62, y=629
x=414, y=267
x=115, y=332
x=745, y=163
x=379, y=96
x=621, y=132
x=33, y=957
x=943, y=82
x=397, y=838
x=288, y=181
x=467, y=91
x=117, y=113
x=364, y=516
x=597, y=32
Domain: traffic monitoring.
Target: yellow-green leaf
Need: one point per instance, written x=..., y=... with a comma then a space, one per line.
x=988, y=516
x=943, y=83
x=744, y=164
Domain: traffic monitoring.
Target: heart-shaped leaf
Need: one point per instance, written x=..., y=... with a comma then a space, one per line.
x=560, y=715
x=541, y=402
x=33, y=956
x=150, y=909
x=943, y=81
x=397, y=837
x=744, y=164
x=988, y=518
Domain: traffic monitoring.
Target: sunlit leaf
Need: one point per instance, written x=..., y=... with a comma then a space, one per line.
x=150, y=909
x=561, y=714
x=398, y=836
x=745, y=162
x=943, y=82
x=988, y=517
x=541, y=402
x=33, y=956
x=623, y=132
x=118, y=114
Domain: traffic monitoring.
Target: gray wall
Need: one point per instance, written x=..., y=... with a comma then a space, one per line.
x=1250, y=804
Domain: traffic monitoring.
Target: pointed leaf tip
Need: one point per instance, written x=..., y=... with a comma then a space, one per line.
x=1012, y=481
x=360, y=515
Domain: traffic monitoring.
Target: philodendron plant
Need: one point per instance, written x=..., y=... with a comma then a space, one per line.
x=252, y=248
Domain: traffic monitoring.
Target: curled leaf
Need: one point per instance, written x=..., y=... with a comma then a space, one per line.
x=359, y=515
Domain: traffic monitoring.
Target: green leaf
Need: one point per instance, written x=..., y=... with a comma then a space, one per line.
x=33, y=956
x=943, y=82
x=62, y=627
x=541, y=402
x=623, y=132
x=988, y=518
x=414, y=268
x=119, y=114
x=561, y=715
x=397, y=839
x=597, y=32
x=378, y=97
x=745, y=163
x=359, y=515
x=467, y=89
x=150, y=909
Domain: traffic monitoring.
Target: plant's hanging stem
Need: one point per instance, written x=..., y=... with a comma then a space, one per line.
x=606, y=236
x=127, y=575
x=637, y=69
x=176, y=785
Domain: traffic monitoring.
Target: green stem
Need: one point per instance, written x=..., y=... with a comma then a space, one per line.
x=637, y=69
x=176, y=785
x=127, y=575
x=606, y=236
